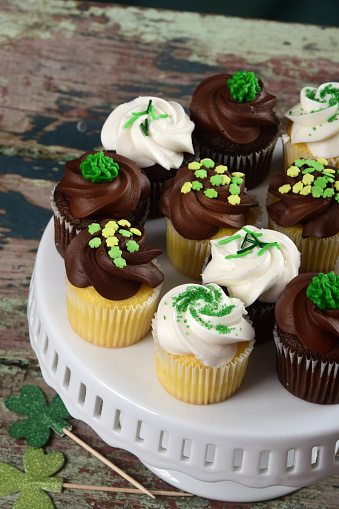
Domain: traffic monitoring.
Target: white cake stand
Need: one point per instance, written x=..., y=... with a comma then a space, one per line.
x=260, y=444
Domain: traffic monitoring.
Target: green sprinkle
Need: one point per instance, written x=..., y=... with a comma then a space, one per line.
x=200, y=174
x=238, y=254
x=119, y=262
x=125, y=233
x=96, y=242
x=229, y=239
x=132, y=246
x=269, y=244
x=115, y=252
x=234, y=189
x=144, y=128
x=196, y=185
x=328, y=193
x=216, y=180
x=208, y=163
x=210, y=193
x=93, y=228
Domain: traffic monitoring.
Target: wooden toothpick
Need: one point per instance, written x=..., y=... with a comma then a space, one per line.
x=125, y=490
x=107, y=462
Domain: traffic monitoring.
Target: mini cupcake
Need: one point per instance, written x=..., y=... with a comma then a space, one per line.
x=254, y=265
x=202, y=343
x=204, y=201
x=96, y=186
x=305, y=207
x=112, y=287
x=313, y=126
x=235, y=123
x=156, y=134
x=307, y=337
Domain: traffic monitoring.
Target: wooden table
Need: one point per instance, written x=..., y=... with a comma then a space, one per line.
x=64, y=66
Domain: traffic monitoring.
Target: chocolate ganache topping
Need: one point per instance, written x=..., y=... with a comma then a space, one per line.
x=216, y=108
x=308, y=308
x=117, y=193
x=114, y=258
x=203, y=197
x=308, y=195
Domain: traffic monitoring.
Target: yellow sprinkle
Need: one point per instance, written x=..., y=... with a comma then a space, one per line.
x=297, y=187
x=225, y=180
x=112, y=224
x=329, y=170
x=308, y=178
x=186, y=187
x=108, y=232
x=336, y=185
x=220, y=169
x=234, y=199
x=322, y=160
x=238, y=174
x=286, y=188
x=293, y=171
x=124, y=222
x=306, y=190
x=112, y=241
x=135, y=231
x=194, y=166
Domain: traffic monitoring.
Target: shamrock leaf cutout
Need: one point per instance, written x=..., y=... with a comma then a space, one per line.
x=42, y=417
x=35, y=481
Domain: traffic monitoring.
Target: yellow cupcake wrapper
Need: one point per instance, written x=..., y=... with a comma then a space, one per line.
x=110, y=326
x=195, y=383
x=294, y=151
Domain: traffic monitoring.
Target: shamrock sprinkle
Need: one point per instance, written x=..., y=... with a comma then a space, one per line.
x=93, y=228
x=94, y=243
x=210, y=193
x=114, y=252
x=132, y=246
x=42, y=417
x=34, y=481
x=208, y=163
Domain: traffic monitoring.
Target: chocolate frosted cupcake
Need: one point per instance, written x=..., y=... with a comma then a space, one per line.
x=307, y=337
x=235, y=123
x=96, y=186
x=204, y=201
x=156, y=134
x=254, y=265
x=112, y=286
x=303, y=204
x=313, y=125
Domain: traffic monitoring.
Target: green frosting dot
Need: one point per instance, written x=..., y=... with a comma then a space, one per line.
x=324, y=291
x=132, y=246
x=243, y=86
x=99, y=168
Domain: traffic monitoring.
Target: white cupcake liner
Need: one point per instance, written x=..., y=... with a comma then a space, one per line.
x=106, y=326
x=195, y=384
x=307, y=378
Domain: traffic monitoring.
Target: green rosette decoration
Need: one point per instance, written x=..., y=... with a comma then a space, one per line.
x=324, y=291
x=99, y=168
x=243, y=86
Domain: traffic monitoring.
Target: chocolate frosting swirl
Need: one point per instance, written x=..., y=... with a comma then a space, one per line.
x=213, y=108
x=194, y=215
x=90, y=266
x=319, y=217
x=296, y=314
x=117, y=198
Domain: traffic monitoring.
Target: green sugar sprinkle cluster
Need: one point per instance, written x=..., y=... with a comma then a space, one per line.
x=108, y=235
x=250, y=241
x=220, y=178
x=99, y=168
x=325, y=185
x=329, y=90
x=191, y=298
x=324, y=291
x=149, y=114
x=243, y=86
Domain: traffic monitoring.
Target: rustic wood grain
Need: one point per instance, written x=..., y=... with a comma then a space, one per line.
x=63, y=66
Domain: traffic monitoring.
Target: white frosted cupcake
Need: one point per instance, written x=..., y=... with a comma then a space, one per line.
x=254, y=265
x=202, y=343
x=154, y=133
x=313, y=125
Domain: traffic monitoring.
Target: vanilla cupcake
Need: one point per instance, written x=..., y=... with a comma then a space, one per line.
x=154, y=133
x=307, y=337
x=254, y=265
x=112, y=286
x=202, y=343
x=313, y=125
x=203, y=201
x=303, y=204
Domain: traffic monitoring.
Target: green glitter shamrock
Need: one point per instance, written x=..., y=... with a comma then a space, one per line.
x=42, y=417
x=243, y=85
x=34, y=481
x=99, y=168
x=324, y=291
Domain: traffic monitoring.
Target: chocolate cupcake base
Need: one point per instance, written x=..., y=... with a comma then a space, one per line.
x=308, y=375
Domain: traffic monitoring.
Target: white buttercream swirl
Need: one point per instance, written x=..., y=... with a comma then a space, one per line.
x=168, y=137
x=188, y=323
x=253, y=276
x=316, y=120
